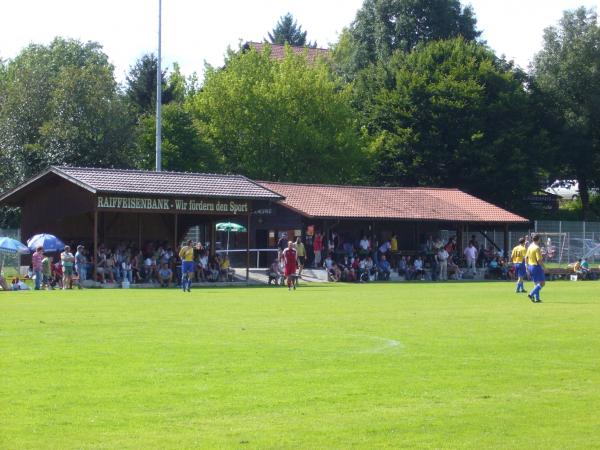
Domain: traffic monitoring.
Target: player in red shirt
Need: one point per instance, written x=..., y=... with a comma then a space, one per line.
x=290, y=259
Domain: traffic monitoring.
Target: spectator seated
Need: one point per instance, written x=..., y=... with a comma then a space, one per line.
x=494, y=270
x=275, y=274
x=385, y=269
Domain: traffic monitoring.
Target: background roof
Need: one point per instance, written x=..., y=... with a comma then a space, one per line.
x=278, y=50
x=327, y=201
x=149, y=183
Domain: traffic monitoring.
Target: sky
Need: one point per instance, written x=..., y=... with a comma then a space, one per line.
x=198, y=31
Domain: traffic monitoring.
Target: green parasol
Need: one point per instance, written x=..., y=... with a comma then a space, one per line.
x=230, y=227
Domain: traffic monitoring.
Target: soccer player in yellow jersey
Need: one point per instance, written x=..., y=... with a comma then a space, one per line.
x=187, y=265
x=518, y=259
x=535, y=265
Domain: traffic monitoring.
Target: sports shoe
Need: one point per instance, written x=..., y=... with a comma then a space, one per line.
x=531, y=297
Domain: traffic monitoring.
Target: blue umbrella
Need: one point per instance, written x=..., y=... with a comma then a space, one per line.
x=50, y=242
x=10, y=245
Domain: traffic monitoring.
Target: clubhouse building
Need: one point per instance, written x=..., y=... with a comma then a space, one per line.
x=110, y=206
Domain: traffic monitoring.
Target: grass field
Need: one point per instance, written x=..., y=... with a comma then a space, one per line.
x=468, y=365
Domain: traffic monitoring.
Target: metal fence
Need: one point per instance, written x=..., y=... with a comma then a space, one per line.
x=562, y=242
x=566, y=242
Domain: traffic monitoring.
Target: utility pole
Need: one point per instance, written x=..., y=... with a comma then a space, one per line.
x=159, y=93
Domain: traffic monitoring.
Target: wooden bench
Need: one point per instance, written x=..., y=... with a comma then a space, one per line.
x=405, y=253
x=561, y=273
x=558, y=273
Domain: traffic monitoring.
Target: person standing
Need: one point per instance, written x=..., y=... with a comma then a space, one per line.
x=281, y=245
x=318, y=248
x=535, y=265
x=127, y=269
x=36, y=265
x=290, y=258
x=442, y=259
x=518, y=260
x=471, y=257
x=394, y=250
x=80, y=264
x=301, y=252
x=187, y=265
x=67, y=261
x=47, y=271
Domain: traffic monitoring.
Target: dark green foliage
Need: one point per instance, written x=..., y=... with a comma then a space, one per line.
x=61, y=105
x=449, y=114
x=567, y=87
x=287, y=31
x=182, y=147
x=384, y=26
x=141, y=85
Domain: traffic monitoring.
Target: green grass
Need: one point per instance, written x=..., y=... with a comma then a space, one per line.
x=468, y=365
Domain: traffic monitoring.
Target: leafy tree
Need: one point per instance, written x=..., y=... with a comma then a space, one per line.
x=279, y=120
x=61, y=106
x=177, y=85
x=567, y=81
x=141, y=85
x=383, y=26
x=449, y=114
x=287, y=31
x=182, y=146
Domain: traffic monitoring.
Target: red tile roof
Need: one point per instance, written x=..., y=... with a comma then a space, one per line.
x=395, y=203
x=278, y=51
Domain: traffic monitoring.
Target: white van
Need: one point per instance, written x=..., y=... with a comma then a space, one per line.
x=567, y=189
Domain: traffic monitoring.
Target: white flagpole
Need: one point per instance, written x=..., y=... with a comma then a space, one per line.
x=158, y=92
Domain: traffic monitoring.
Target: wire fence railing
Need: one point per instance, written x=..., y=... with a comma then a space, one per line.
x=566, y=241
x=10, y=262
x=562, y=242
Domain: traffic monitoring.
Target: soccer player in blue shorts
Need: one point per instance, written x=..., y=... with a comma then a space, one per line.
x=518, y=259
x=187, y=266
x=535, y=265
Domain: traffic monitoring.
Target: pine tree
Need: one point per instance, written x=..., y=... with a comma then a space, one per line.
x=288, y=30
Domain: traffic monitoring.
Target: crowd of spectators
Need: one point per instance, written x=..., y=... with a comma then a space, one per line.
x=363, y=259
x=156, y=263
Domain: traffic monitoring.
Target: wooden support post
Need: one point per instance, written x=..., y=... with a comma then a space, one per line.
x=459, y=239
x=175, y=232
x=213, y=238
x=248, y=249
x=95, y=249
x=417, y=236
x=139, y=222
x=325, y=250
x=506, y=249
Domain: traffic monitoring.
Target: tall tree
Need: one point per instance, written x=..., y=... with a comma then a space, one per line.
x=383, y=26
x=61, y=105
x=288, y=31
x=279, y=120
x=182, y=146
x=141, y=85
x=9, y=217
x=567, y=78
x=449, y=114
